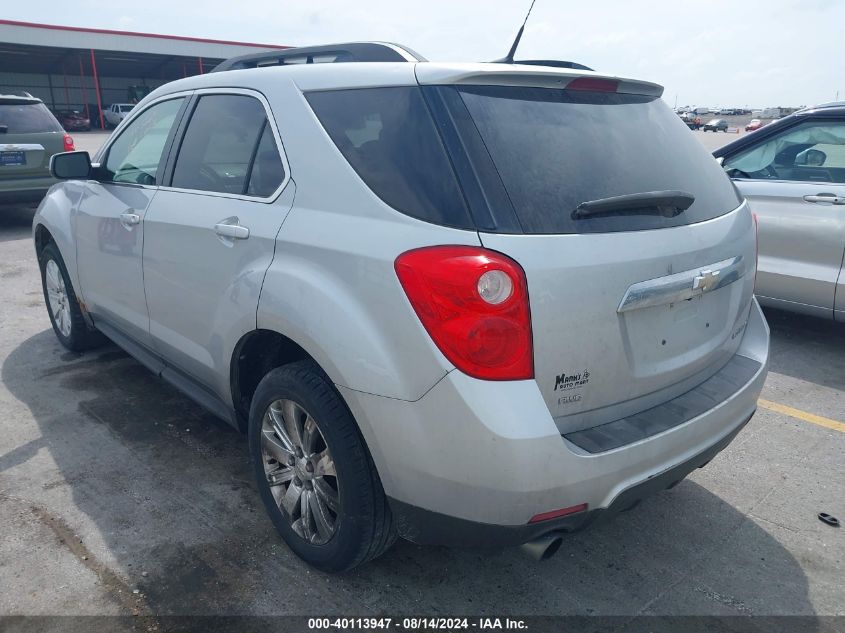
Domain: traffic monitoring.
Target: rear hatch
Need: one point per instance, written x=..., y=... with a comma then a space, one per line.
x=29, y=136
x=634, y=299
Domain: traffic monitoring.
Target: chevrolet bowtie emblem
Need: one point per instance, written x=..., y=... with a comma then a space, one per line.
x=705, y=281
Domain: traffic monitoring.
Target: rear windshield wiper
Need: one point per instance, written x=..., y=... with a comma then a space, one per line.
x=665, y=203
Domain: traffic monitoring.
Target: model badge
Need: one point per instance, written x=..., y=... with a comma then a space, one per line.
x=739, y=330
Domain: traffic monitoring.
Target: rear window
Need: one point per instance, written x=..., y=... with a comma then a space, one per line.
x=389, y=138
x=555, y=149
x=27, y=118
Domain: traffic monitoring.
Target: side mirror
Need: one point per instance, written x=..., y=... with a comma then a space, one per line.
x=811, y=158
x=71, y=166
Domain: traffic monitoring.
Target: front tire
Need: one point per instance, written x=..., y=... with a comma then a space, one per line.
x=62, y=305
x=314, y=472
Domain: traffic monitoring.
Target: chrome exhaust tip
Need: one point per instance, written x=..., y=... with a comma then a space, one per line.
x=543, y=548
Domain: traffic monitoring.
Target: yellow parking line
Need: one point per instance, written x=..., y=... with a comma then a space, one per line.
x=802, y=415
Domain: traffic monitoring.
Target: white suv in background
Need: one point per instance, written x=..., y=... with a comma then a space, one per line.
x=436, y=305
x=117, y=112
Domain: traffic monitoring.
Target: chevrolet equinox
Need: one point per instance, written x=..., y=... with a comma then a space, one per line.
x=466, y=304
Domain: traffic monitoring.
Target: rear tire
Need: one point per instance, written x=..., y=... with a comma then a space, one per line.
x=342, y=520
x=62, y=305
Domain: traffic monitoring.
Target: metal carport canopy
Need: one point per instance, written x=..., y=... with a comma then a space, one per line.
x=31, y=48
x=50, y=35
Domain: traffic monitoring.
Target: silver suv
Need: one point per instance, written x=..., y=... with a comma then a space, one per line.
x=466, y=304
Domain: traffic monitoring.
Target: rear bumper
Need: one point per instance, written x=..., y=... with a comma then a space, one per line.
x=25, y=189
x=472, y=461
x=432, y=528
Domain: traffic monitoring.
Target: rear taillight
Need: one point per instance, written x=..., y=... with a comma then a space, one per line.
x=593, y=84
x=473, y=302
x=68, y=140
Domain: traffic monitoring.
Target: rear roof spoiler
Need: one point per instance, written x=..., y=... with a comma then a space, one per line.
x=533, y=75
x=330, y=53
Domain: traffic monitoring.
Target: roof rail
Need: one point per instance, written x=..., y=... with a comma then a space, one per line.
x=330, y=53
x=19, y=94
x=555, y=63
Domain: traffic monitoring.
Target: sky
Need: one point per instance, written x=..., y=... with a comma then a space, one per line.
x=720, y=53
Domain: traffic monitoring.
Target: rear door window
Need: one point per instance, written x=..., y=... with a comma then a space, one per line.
x=555, y=149
x=229, y=147
x=27, y=118
x=389, y=138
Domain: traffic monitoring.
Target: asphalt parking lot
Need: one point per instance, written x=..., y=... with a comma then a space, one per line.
x=90, y=141
x=120, y=496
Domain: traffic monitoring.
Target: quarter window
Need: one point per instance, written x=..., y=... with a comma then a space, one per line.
x=389, y=138
x=135, y=156
x=267, y=169
x=229, y=148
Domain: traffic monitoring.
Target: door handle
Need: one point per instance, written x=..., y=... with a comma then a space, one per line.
x=128, y=219
x=830, y=198
x=232, y=229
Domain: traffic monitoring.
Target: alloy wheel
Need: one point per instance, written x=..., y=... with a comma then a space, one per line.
x=57, y=297
x=300, y=471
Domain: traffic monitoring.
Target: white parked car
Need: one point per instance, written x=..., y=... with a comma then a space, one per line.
x=117, y=112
